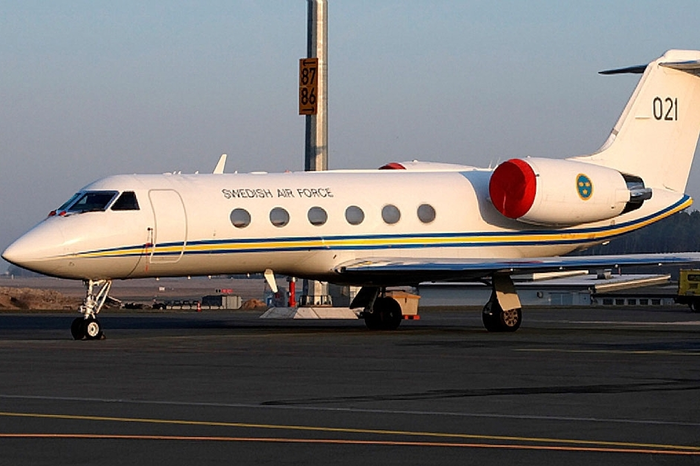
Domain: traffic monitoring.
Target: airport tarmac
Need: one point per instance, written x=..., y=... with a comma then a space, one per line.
x=572, y=386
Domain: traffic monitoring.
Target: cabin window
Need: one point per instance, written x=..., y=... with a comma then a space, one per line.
x=279, y=217
x=354, y=215
x=127, y=201
x=92, y=201
x=317, y=216
x=426, y=213
x=391, y=214
x=240, y=218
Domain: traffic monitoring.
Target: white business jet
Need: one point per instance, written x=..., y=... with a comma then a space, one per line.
x=399, y=225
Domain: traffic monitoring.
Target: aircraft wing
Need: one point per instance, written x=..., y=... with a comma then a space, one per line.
x=385, y=271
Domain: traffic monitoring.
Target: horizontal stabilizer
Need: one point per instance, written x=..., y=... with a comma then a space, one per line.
x=638, y=69
x=691, y=66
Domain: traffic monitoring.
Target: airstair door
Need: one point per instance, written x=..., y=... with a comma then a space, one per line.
x=170, y=226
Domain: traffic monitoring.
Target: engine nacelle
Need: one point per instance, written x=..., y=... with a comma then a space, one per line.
x=563, y=192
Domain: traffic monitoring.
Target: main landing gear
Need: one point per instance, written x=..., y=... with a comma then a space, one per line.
x=384, y=315
x=88, y=327
x=380, y=312
x=503, y=311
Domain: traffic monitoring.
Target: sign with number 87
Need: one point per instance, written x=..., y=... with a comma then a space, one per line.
x=308, y=86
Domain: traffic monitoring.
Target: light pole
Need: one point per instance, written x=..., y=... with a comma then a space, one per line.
x=313, y=102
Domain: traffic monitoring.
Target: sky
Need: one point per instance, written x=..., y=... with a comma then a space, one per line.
x=90, y=88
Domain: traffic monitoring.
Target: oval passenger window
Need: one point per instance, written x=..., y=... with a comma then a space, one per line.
x=279, y=217
x=317, y=216
x=391, y=214
x=240, y=218
x=354, y=215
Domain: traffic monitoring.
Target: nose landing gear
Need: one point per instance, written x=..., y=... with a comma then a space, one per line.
x=88, y=327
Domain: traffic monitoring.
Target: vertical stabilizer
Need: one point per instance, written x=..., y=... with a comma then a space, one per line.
x=657, y=133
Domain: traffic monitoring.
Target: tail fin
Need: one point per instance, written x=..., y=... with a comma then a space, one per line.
x=656, y=135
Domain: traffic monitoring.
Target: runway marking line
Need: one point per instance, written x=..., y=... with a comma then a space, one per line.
x=350, y=442
x=644, y=352
x=350, y=410
x=583, y=445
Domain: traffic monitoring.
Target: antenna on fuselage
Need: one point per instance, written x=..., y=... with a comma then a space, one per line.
x=219, y=169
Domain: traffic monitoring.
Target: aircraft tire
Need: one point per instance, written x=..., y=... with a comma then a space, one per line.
x=489, y=316
x=496, y=319
x=92, y=329
x=76, y=328
x=371, y=321
x=386, y=315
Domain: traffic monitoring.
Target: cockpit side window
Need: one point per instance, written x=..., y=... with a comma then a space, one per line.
x=127, y=201
x=92, y=201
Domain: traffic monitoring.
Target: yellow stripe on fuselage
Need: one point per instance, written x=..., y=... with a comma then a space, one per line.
x=505, y=238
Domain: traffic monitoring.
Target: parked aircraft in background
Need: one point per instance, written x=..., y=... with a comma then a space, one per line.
x=399, y=225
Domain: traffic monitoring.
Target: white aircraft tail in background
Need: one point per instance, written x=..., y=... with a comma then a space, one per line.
x=400, y=225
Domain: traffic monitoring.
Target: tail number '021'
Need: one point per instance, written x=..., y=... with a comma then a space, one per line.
x=665, y=109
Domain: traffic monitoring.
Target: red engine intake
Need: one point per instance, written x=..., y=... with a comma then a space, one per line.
x=512, y=188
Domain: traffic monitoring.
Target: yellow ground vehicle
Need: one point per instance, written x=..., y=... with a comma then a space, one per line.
x=689, y=288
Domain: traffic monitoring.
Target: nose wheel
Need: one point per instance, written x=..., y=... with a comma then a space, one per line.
x=88, y=327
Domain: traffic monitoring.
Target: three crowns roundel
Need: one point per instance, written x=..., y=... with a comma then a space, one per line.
x=584, y=186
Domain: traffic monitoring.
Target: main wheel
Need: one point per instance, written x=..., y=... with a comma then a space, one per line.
x=92, y=329
x=372, y=321
x=489, y=316
x=76, y=328
x=495, y=319
x=511, y=319
x=386, y=315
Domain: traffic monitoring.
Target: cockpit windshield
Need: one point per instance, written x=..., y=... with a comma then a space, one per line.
x=90, y=201
x=66, y=204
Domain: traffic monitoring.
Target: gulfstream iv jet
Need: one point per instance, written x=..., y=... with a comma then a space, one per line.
x=398, y=225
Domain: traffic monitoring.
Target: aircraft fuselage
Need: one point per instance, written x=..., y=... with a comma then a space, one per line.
x=300, y=224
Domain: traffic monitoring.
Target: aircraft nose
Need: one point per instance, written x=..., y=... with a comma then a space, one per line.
x=37, y=248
